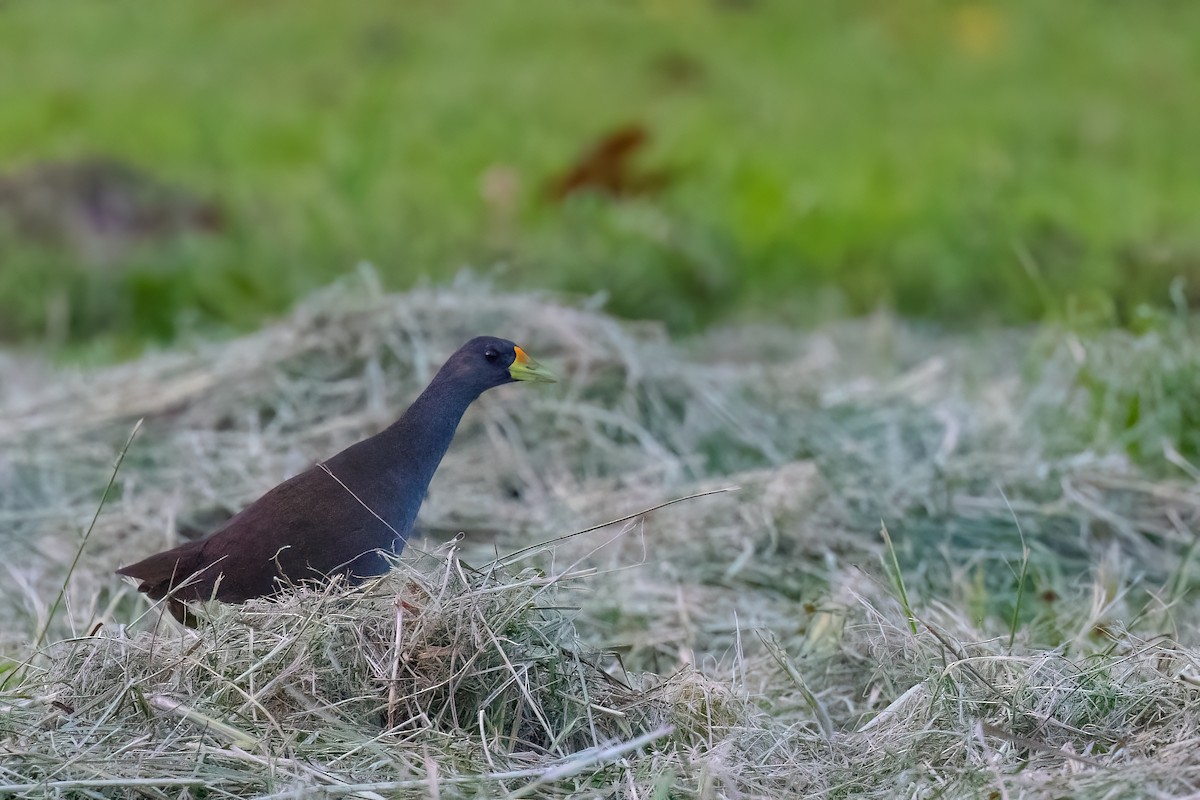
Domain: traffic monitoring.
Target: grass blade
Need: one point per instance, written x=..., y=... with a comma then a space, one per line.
x=62, y=592
x=897, y=578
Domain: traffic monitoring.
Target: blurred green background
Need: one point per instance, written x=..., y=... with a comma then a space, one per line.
x=175, y=167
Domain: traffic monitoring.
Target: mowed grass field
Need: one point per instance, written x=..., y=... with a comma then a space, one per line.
x=967, y=162
x=939, y=574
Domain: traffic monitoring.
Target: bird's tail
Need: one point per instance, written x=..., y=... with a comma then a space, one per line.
x=163, y=572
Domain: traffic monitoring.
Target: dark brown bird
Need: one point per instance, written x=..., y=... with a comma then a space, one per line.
x=346, y=515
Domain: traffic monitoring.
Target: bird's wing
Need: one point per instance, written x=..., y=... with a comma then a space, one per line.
x=299, y=530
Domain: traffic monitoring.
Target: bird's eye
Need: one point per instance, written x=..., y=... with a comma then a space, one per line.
x=490, y=354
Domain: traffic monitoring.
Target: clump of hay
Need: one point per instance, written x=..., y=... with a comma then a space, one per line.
x=471, y=677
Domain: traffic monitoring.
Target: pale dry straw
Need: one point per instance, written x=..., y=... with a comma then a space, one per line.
x=746, y=644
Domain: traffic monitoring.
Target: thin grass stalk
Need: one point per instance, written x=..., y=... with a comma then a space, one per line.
x=897, y=578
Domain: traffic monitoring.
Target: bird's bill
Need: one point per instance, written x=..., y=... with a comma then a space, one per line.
x=525, y=368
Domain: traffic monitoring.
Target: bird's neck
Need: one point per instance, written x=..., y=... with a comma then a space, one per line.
x=390, y=472
x=426, y=429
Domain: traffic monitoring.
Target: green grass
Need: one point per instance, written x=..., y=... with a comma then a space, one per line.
x=1135, y=392
x=966, y=162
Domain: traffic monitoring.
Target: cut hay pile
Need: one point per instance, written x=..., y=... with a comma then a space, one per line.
x=1031, y=631
x=455, y=676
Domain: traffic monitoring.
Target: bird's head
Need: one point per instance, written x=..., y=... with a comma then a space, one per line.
x=488, y=361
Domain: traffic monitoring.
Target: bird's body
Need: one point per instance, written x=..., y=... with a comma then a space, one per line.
x=346, y=515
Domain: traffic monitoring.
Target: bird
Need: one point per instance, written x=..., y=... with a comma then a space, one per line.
x=346, y=516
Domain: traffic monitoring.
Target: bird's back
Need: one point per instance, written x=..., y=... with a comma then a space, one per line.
x=307, y=528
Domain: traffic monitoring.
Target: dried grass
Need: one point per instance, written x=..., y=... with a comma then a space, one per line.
x=745, y=644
